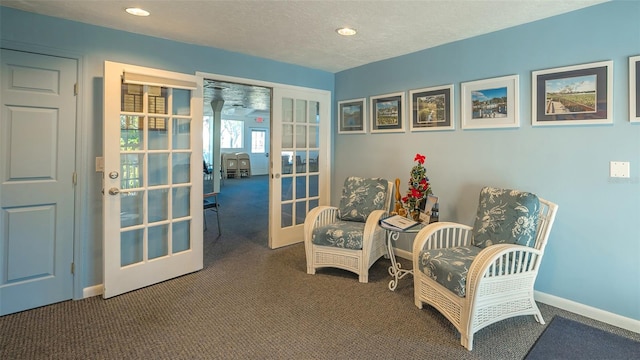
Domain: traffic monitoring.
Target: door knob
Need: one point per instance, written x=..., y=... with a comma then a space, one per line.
x=114, y=191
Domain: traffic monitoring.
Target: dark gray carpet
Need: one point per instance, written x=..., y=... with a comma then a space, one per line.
x=568, y=339
x=250, y=302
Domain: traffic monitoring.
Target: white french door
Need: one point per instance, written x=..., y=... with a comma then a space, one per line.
x=152, y=176
x=300, y=150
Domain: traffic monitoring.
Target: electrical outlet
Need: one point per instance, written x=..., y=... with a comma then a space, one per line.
x=619, y=169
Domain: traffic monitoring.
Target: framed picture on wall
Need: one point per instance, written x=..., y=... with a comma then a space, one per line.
x=387, y=113
x=634, y=88
x=431, y=109
x=573, y=95
x=352, y=115
x=490, y=103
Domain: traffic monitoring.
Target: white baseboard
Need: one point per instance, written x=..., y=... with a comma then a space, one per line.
x=568, y=305
x=92, y=291
x=588, y=311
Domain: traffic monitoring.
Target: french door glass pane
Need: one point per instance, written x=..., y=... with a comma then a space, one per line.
x=313, y=161
x=157, y=133
x=131, y=98
x=301, y=187
x=301, y=136
x=181, y=133
x=158, y=241
x=131, y=170
x=286, y=215
x=158, y=205
x=181, y=102
x=181, y=239
x=131, y=208
x=158, y=169
x=287, y=136
x=131, y=247
x=313, y=185
x=131, y=134
x=301, y=162
x=287, y=189
x=301, y=212
x=287, y=110
x=181, y=168
x=181, y=202
x=301, y=111
x=314, y=136
x=157, y=100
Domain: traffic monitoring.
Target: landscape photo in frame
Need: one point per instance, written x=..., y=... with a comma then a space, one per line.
x=352, y=115
x=387, y=113
x=490, y=103
x=573, y=95
x=431, y=108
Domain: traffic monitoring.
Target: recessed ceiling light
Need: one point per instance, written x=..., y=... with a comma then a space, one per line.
x=137, y=11
x=345, y=31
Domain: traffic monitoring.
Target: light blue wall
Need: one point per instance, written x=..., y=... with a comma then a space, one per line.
x=593, y=255
x=26, y=31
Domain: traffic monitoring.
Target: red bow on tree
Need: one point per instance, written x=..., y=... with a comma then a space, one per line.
x=420, y=158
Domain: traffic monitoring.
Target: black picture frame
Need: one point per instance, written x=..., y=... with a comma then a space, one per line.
x=352, y=116
x=431, y=109
x=387, y=113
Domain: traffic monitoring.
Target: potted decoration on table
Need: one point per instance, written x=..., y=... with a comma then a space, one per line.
x=419, y=188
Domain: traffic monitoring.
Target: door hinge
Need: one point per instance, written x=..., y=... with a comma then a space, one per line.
x=74, y=178
x=73, y=268
x=75, y=89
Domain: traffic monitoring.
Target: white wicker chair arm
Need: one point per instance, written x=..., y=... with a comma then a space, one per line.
x=372, y=233
x=502, y=260
x=319, y=216
x=440, y=235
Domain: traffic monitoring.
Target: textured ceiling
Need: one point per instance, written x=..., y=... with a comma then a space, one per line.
x=302, y=32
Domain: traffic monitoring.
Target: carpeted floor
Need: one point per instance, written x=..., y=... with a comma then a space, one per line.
x=250, y=302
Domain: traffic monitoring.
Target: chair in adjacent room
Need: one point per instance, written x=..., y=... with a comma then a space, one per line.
x=244, y=164
x=348, y=237
x=210, y=202
x=230, y=166
x=476, y=276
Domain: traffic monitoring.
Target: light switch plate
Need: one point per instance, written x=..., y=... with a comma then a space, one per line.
x=619, y=169
x=99, y=164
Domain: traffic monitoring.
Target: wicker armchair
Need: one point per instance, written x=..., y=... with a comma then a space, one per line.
x=495, y=272
x=349, y=237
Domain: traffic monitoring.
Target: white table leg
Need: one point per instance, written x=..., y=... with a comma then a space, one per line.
x=395, y=269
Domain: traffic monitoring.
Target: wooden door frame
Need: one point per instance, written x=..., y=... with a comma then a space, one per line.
x=82, y=160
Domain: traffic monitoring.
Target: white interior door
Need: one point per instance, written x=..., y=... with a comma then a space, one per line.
x=259, y=151
x=37, y=165
x=300, y=149
x=152, y=176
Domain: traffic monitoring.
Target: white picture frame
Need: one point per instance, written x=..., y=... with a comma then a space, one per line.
x=573, y=95
x=490, y=103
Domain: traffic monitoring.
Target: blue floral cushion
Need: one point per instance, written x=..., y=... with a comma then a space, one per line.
x=449, y=266
x=362, y=196
x=506, y=217
x=343, y=234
